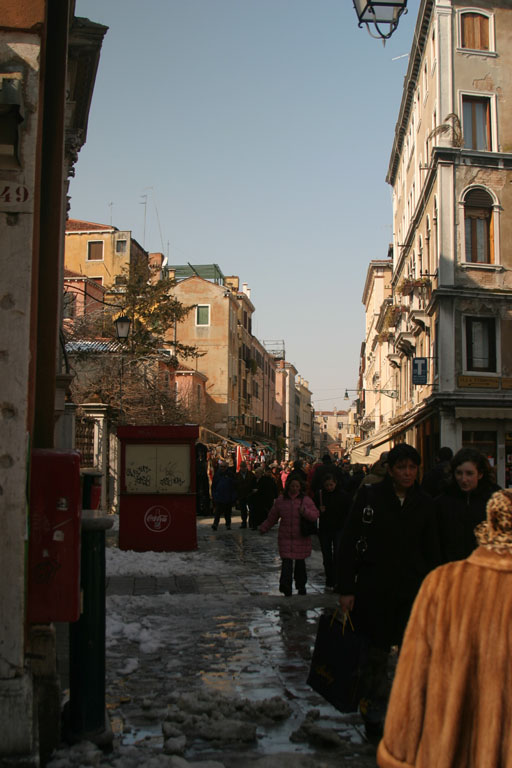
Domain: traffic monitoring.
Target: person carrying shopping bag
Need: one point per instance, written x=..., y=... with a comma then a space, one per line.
x=388, y=545
x=293, y=546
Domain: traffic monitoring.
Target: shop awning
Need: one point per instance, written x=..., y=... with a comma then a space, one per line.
x=366, y=454
x=241, y=442
x=262, y=446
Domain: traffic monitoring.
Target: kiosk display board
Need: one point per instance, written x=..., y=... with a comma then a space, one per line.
x=157, y=468
x=157, y=505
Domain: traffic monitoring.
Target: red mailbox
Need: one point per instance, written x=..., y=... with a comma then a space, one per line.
x=157, y=506
x=54, y=542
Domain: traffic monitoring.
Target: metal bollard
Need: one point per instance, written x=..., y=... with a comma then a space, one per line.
x=88, y=718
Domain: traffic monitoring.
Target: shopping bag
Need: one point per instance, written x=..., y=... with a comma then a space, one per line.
x=338, y=658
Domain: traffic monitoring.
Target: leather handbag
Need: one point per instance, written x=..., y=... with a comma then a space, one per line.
x=307, y=527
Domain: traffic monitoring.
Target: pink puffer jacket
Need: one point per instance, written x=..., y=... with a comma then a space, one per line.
x=289, y=539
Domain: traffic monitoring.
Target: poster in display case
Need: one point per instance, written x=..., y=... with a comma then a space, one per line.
x=157, y=468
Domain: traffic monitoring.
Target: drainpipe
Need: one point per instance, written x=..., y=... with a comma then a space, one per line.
x=51, y=224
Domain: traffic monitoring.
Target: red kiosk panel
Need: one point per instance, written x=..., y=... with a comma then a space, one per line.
x=54, y=543
x=157, y=509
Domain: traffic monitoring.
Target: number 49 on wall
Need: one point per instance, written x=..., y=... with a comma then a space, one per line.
x=13, y=195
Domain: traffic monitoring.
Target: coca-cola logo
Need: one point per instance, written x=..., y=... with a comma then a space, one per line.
x=157, y=519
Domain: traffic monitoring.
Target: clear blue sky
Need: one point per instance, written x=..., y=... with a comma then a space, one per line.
x=260, y=131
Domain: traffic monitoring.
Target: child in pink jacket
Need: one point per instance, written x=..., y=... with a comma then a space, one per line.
x=294, y=548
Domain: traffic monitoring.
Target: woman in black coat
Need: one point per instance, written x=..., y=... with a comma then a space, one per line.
x=462, y=506
x=334, y=504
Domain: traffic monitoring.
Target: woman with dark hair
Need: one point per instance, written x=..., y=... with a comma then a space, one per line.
x=462, y=506
x=294, y=548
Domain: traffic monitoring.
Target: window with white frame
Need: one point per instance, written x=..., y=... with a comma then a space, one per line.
x=433, y=50
x=476, y=30
x=480, y=339
x=479, y=227
x=477, y=122
x=203, y=314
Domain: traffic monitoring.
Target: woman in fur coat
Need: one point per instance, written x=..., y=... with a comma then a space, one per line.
x=451, y=702
x=294, y=548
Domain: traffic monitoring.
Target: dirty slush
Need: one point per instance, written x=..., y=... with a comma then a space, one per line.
x=207, y=663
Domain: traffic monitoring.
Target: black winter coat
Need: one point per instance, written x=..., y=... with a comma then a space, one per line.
x=458, y=514
x=337, y=505
x=385, y=554
x=264, y=496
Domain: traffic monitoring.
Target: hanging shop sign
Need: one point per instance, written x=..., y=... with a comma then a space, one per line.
x=419, y=370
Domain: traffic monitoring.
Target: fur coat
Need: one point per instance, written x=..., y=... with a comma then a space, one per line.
x=451, y=701
x=290, y=541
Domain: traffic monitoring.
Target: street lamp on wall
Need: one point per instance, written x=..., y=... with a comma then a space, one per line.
x=389, y=392
x=383, y=16
x=122, y=324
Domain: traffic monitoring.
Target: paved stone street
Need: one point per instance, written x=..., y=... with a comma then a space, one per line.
x=184, y=648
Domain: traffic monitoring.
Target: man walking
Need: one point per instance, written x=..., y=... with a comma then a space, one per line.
x=388, y=546
x=224, y=495
x=245, y=482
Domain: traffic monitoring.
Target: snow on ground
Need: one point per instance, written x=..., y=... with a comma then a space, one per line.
x=195, y=563
x=129, y=563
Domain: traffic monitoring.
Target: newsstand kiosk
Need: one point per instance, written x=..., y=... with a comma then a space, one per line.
x=157, y=506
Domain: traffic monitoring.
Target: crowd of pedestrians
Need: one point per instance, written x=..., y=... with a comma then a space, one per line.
x=391, y=540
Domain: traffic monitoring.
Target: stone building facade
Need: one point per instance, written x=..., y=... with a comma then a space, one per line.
x=48, y=63
x=450, y=312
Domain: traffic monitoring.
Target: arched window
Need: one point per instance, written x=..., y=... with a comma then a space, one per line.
x=479, y=227
x=474, y=31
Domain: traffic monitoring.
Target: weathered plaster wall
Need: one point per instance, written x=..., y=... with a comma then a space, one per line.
x=17, y=54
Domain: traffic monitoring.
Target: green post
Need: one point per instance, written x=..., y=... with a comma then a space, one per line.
x=87, y=713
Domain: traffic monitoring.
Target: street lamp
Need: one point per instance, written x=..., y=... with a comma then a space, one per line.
x=389, y=392
x=122, y=324
x=380, y=13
